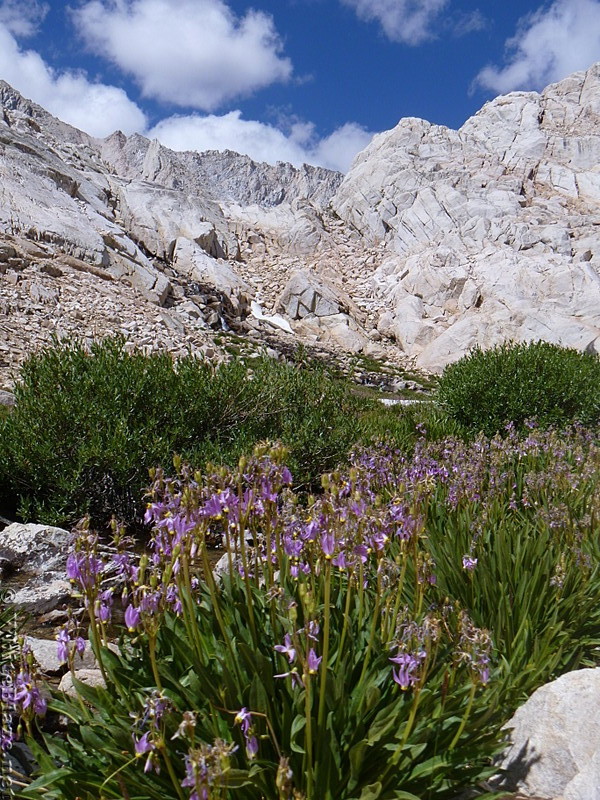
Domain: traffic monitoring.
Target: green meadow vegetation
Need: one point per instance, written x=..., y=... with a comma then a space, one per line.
x=395, y=581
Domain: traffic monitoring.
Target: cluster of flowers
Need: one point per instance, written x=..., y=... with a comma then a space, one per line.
x=21, y=696
x=365, y=533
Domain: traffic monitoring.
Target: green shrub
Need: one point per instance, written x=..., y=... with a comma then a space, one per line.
x=87, y=426
x=485, y=390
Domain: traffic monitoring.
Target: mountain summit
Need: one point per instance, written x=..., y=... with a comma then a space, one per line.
x=434, y=242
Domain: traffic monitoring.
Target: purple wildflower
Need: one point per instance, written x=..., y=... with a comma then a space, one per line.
x=313, y=661
x=143, y=744
x=408, y=664
x=27, y=695
x=469, y=563
x=132, y=617
x=287, y=648
x=244, y=719
x=83, y=569
x=328, y=544
x=62, y=650
x=293, y=674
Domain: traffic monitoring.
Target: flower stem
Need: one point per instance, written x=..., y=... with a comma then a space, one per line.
x=325, y=653
x=463, y=722
x=308, y=738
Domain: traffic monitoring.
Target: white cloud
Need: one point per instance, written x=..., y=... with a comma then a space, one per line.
x=263, y=142
x=94, y=107
x=548, y=45
x=407, y=21
x=22, y=17
x=194, y=53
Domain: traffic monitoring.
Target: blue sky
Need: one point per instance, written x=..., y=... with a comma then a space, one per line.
x=297, y=80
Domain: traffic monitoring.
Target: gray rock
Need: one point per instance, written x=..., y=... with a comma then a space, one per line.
x=37, y=556
x=45, y=653
x=91, y=677
x=305, y=294
x=487, y=230
x=7, y=399
x=32, y=547
x=554, y=747
x=439, y=239
x=190, y=259
x=39, y=593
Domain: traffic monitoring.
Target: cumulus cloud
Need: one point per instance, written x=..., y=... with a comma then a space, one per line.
x=22, y=17
x=407, y=21
x=263, y=142
x=96, y=108
x=192, y=53
x=548, y=45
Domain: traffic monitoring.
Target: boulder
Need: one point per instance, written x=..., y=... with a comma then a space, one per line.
x=554, y=747
x=91, y=677
x=7, y=399
x=31, y=547
x=38, y=555
x=190, y=259
x=305, y=294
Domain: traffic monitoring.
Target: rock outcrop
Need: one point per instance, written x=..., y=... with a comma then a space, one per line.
x=36, y=555
x=434, y=242
x=555, y=741
x=490, y=232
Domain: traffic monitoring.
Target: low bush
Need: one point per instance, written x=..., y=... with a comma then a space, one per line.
x=513, y=383
x=87, y=426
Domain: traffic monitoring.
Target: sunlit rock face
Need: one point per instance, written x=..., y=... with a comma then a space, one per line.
x=490, y=232
x=434, y=242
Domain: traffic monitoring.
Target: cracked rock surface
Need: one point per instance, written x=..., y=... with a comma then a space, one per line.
x=435, y=241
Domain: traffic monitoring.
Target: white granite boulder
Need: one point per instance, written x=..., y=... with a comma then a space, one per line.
x=38, y=556
x=554, y=747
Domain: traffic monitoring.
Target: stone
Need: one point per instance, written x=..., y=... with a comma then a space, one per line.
x=554, y=749
x=31, y=547
x=91, y=677
x=191, y=260
x=483, y=228
x=51, y=269
x=36, y=558
x=276, y=320
x=436, y=240
x=305, y=294
x=41, y=294
x=45, y=653
x=7, y=399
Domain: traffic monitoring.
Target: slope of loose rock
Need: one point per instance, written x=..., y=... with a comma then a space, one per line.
x=434, y=242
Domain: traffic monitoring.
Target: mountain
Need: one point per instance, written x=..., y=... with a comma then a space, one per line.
x=434, y=242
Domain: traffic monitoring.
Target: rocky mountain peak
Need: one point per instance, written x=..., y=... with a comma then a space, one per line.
x=435, y=241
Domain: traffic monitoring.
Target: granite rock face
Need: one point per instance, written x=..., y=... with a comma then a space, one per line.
x=435, y=241
x=490, y=232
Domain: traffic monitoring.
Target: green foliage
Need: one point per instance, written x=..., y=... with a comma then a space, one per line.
x=527, y=514
x=344, y=729
x=474, y=566
x=485, y=390
x=87, y=426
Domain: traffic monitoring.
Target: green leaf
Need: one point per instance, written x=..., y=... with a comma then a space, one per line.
x=383, y=723
x=298, y=726
x=356, y=756
x=371, y=792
